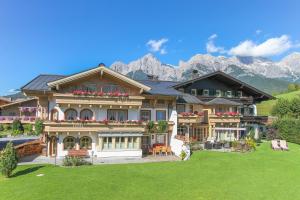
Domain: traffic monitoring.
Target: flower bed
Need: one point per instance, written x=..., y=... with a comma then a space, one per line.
x=187, y=114
x=95, y=93
x=22, y=118
x=105, y=121
x=28, y=109
x=225, y=114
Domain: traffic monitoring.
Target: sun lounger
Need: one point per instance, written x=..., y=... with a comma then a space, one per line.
x=275, y=145
x=283, y=145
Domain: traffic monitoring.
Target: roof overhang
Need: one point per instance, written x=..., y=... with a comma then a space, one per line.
x=17, y=102
x=100, y=70
x=262, y=95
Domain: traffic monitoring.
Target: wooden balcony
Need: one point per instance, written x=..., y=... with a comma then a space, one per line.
x=91, y=126
x=98, y=126
x=224, y=117
x=69, y=98
x=23, y=119
x=190, y=119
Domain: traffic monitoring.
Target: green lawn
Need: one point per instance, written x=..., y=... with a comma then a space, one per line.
x=265, y=107
x=264, y=174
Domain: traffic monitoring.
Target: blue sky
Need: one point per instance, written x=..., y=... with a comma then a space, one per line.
x=63, y=37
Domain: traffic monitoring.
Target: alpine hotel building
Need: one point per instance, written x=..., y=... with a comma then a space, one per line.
x=108, y=114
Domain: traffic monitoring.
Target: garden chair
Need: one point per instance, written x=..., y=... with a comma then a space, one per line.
x=157, y=149
x=283, y=145
x=275, y=145
x=169, y=151
x=164, y=150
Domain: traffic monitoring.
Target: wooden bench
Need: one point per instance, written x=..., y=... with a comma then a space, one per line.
x=78, y=153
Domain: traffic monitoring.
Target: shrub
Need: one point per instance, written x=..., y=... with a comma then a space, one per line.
x=74, y=161
x=182, y=155
x=288, y=129
x=150, y=127
x=7, y=127
x=250, y=142
x=162, y=126
x=8, y=160
x=1, y=127
x=28, y=128
x=38, y=126
x=17, y=127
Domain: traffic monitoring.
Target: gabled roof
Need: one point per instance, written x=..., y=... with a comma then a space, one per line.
x=161, y=87
x=100, y=69
x=224, y=76
x=222, y=101
x=7, y=100
x=40, y=82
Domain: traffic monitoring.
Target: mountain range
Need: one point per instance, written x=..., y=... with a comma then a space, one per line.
x=263, y=73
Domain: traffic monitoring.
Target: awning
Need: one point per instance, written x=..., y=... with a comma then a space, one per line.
x=229, y=129
x=120, y=134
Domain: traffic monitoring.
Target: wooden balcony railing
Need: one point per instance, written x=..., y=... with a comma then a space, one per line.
x=23, y=119
x=190, y=118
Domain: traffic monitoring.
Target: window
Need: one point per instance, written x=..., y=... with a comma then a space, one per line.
x=86, y=114
x=206, y=92
x=54, y=114
x=85, y=142
x=194, y=92
x=180, y=108
x=70, y=114
x=239, y=93
x=69, y=143
x=218, y=93
x=130, y=142
x=181, y=89
x=105, y=143
x=160, y=103
x=146, y=103
x=145, y=115
x=117, y=115
x=135, y=142
x=229, y=93
x=161, y=115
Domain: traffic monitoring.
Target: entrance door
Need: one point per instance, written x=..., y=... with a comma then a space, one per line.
x=53, y=146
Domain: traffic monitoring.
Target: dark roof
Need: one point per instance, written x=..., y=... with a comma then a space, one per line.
x=161, y=87
x=222, y=101
x=40, y=82
x=187, y=98
x=226, y=77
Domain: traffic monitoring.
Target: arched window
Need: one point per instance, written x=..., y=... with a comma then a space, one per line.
x=85, y=142
x=69, y=143
x=70, y=114
x=86, y=114
x=54, y=115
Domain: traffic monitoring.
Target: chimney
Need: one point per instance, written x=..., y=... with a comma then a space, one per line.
x=152, y=77
x=195, y=74
x=101, y=65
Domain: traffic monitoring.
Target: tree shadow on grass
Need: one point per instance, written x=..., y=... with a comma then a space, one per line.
x=26, y=171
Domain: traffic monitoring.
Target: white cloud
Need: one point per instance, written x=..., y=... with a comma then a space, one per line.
x=270, y=47
x=163, y=51
x=213, y=36
x=211, y=47
x=258, y=31
x=157, y=45
x=13, y=90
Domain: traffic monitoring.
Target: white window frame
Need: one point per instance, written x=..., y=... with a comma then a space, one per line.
x=220, y=93
x=240, y=93
x=229, y=93
x=206, y=91
x=194, y=92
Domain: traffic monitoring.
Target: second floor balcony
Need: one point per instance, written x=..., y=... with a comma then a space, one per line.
x=190, y=118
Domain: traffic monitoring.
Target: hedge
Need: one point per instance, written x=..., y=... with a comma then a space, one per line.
x=288, y=129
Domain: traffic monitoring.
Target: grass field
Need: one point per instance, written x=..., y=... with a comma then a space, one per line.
x=263, y=174
x=265, y=107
